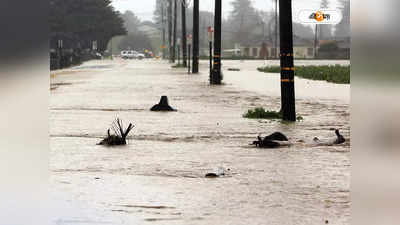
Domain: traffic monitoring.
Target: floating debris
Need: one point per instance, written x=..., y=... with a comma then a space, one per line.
x=273, y=140
x=119, y=136
x=277, y=136
x=339, y=139
x=233, y=69
x=211, y=175
x=148, y=206
x=221, y=172
x=163, y=105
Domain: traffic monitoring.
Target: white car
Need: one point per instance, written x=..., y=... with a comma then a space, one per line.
x=128, y=54
x=138, y=55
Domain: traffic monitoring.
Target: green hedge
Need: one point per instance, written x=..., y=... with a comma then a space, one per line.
x=335, y=74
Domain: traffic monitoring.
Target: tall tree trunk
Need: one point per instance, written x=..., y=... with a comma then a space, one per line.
x=163, y=29
x=276, y=29
x=196, y=11
x=175, y=31
x=170, y=30
x=184, y=32
x=216, y=75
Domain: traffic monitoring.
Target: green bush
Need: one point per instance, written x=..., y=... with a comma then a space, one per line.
x=270, y=69
x=260, y=113
x=334, y=74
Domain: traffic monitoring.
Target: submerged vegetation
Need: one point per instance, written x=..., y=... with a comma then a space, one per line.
x=178, y=66
x=335, y=74
x=260, y=113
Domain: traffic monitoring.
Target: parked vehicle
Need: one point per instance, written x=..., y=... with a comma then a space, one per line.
x=128, y=54
x=139, y=55
x=97, y=55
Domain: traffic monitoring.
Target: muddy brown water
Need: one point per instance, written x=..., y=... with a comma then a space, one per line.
x=158, y=178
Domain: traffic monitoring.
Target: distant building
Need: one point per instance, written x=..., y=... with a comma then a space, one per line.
x=265, y=49
x=338, y=48
x=344, y=43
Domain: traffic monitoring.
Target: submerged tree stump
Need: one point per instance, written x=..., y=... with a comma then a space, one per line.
x=163, y=105
x=119, y=136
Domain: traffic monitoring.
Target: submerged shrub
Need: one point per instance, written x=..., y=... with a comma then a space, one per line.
x=178, y=66
x=332, y=73
x=260, y=113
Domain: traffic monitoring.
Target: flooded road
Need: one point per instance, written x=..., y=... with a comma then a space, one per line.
x=305, y=89
x=158, y=178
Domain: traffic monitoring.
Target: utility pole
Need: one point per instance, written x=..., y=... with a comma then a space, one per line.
x=287, y=66
x=210, y=40
x=59, y=54
x=111, y=43
x=189, y=39
x=196, y=12
x=179, y=51
x=276, y=29
x=163, y=29
x=202, y=29
x=216, y=74
x=316, y=42
x=175, y=31
x=183, y=7
x=170, y=30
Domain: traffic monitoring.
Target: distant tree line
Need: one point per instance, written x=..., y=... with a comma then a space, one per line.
x=136, y=39
x=140, y=35
x=78, y=23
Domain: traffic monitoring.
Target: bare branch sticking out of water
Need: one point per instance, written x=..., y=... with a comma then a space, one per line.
x=119, y=136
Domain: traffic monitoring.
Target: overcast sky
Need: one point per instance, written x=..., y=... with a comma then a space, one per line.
x=144, y=8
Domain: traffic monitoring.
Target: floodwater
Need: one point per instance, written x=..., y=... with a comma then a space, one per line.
x=158, y=178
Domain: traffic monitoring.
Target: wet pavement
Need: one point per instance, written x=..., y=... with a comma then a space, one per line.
x=158, y=178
